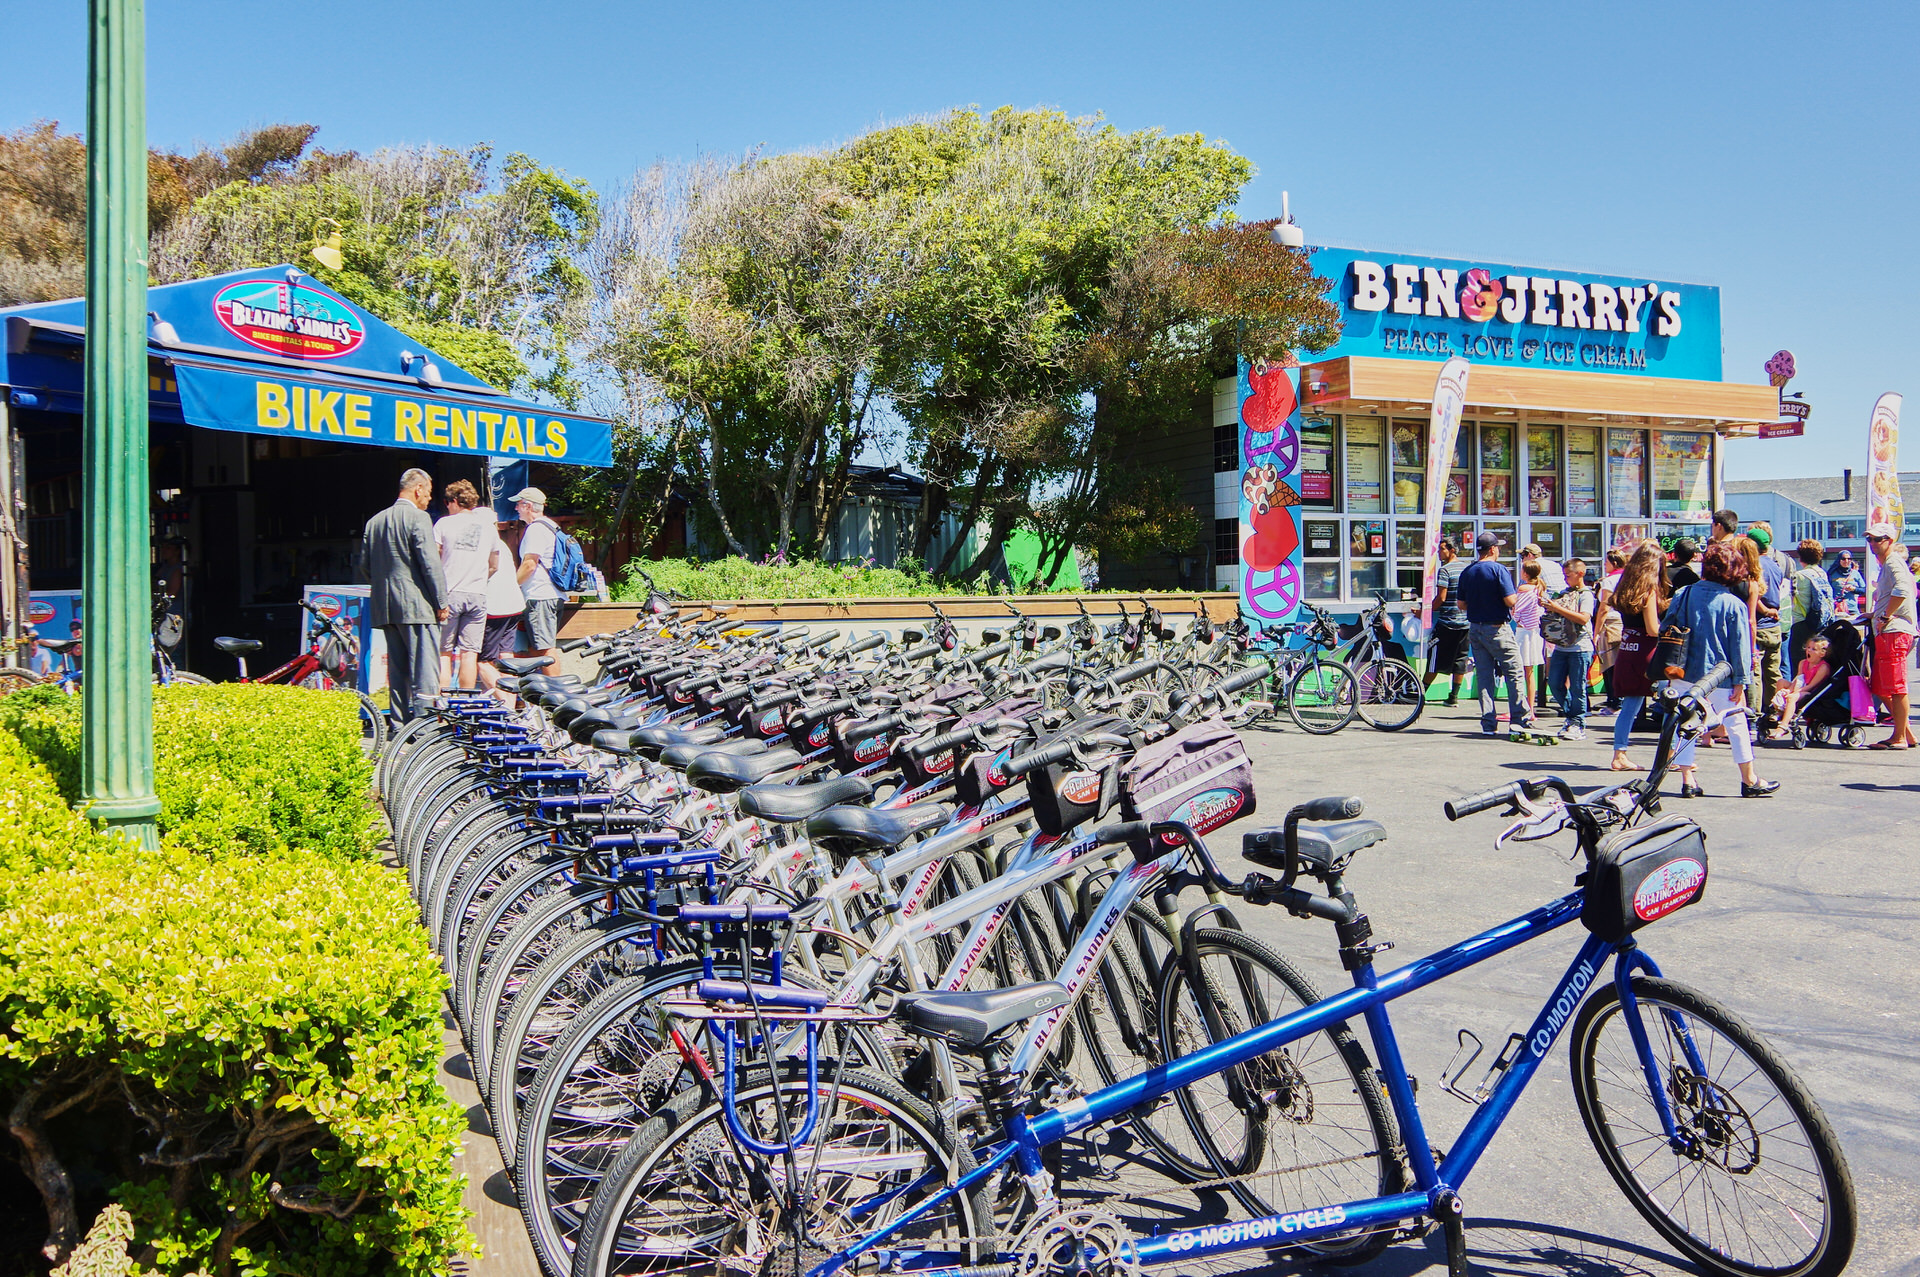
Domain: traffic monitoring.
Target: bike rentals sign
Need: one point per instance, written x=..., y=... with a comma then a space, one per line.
x=1270, y=561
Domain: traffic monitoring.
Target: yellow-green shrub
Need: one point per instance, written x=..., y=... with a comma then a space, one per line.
x=260, y=1031
x=238, y=767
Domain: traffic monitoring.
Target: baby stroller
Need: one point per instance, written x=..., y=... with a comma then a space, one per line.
x=1829, y=710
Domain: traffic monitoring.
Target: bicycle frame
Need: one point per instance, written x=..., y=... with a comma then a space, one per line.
x=1025, y=1136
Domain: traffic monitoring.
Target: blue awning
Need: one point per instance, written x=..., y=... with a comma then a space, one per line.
x=273, y=352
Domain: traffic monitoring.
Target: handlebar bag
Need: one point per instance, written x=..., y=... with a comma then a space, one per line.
x=1067, y=794
x=1200, y=776
x=336, y=657
x=1642, y=875
x=979, y=777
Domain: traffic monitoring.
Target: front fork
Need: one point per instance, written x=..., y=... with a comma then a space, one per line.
x=1630, y=959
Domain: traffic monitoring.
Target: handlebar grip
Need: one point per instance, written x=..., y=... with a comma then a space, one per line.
x=995, y=652
x=874, y=726
x=1247, y=678
x=815, y=713
x=1713, y=678
x=1139, y=669
x=1126, y=832
x=824, y=640
x=920, y=653
x=763, y=703
x=1335, y=808
x=574, y=645
x=1058, y=752
x=866, y=644
x=1456, y=808
x=945, y=740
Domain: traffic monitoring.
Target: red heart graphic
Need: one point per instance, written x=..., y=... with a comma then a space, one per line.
x=1272, y=541
x=1272, y=400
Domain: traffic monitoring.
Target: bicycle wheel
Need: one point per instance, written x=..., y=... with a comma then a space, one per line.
x=1321, y=698
x=683, y=1195
x=12, y=680
x=185, y=676
x=1304, y=1124
x=1761, y=1186
x=1388, y=694
x=373, y=726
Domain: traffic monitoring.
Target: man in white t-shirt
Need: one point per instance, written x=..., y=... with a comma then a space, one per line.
x=537, y=546
x=469, y=552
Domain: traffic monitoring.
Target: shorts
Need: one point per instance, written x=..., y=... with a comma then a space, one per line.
x=466, y=621
x=1448, y=653
x=1891, y=653
x=1532, y=650
x=502, y=639
x=543, y=623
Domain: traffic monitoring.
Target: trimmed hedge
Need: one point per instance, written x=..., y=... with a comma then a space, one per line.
x=238, y=766
x=240, y=1049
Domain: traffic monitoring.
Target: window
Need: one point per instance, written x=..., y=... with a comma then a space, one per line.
x=1459, y=494
x=1364, y=469
x=1627, y=474
x=1586, y=542
x=1319, y=480
x=1226, y=542
x=1409, y=554
x=1543, y=470
x=1583, y=470
x=1226, y=447
x=1367, y=551
x=1408, y=443
x=1496, y=469
x=1682, y=476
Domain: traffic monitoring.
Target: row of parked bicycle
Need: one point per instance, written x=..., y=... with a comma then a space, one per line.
x=780, y=953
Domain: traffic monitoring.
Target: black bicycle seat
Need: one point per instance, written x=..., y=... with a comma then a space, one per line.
x=683, y=755
x=970, y=1020
x=648, y=742
x=515, y=664
x=789, y=804
x=60, y=645
x=849, y=831
x=584, y=728
x=239, y=646
x=721, y=772
x=1323, y=848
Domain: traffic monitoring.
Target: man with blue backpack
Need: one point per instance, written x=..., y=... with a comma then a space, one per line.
x=551, y=564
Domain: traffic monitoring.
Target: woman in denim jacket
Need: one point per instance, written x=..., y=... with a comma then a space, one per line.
x=1719, y=630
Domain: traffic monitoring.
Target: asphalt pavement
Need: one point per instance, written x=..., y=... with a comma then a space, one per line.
x=1807, y=930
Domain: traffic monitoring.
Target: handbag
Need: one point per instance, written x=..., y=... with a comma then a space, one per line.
x=1670, y=654
x=1860, y=699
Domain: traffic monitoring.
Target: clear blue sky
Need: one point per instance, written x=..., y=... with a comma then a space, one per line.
x=1768, y=149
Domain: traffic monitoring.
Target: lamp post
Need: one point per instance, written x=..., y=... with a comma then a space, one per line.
x=117, y=742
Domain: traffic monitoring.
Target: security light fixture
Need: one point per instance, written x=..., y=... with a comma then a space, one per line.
x=163, y=332
x=1284, y=232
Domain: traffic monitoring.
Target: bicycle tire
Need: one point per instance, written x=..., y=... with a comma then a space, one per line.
x=531, y=892
x=884, y=1140
x=564, y=985
x=373, y=726
x=1321, y=697
x=403, y=742
x=190, y=678
x=474, y=891
x=1314, y=1126
x=542, y=931
x=1733, y=1156
x=1388, y=695
x=13, y=679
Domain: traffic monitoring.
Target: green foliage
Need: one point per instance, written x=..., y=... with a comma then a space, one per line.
x=38, y=830
x=737, y=578
x=256, y=1037
x=239, y=767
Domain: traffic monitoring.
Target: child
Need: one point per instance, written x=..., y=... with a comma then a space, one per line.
x=1813, y=672
x=1526, y=625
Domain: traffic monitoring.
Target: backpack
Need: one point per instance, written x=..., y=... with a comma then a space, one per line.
x=1558, y=630
x=1820, y=605
x=568, y=571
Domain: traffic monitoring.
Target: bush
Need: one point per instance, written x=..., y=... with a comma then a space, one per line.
x=271, y=1026
x=239, y=767
x=738, y=578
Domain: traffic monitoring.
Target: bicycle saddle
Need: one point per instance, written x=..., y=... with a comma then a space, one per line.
x=723, y=773
x=849, y=831
x=790, y=804
x=614, y=740
x=683, y=755
x=648, y=742
x=590, y=724
x=59, y=645
x=971, y=1020
x=515, y=664
x=1323, y=848
x=239, y=646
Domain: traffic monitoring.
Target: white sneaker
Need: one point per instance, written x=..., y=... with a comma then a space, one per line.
x=1573, y=731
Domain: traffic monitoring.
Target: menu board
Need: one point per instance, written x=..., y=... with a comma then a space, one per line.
x=1322, y=538
x=1682, y=478
x=1627, y=473
x=1583, y=470
x=1496, y=469
x=1363, y=464
x=1316, y=462
x=1543, y=470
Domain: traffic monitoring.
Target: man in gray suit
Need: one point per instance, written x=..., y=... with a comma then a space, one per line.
x=409, y=594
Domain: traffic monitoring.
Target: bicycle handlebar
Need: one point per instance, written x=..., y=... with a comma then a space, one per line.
x=1245, y=678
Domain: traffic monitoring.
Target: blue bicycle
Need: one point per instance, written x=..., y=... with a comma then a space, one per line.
x=817, y=1170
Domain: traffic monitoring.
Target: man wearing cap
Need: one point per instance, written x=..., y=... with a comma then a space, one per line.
x=409, y=596
x=38, y=659
x=537, y=546
x=1766, y=631
x=1894, y=627
x=1551, y=574
x=1488, y=592
x=1447, y=645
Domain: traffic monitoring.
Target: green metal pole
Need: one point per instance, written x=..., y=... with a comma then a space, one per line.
x=117, y=745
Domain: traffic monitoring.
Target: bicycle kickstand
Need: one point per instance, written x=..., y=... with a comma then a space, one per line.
x=1453, y=1227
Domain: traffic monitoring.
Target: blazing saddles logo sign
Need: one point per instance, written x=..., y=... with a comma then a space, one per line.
x=1438, y=308
x=287, y=319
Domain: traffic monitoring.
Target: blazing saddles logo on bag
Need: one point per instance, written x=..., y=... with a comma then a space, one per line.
x=286, y=319
x=1667, y=888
